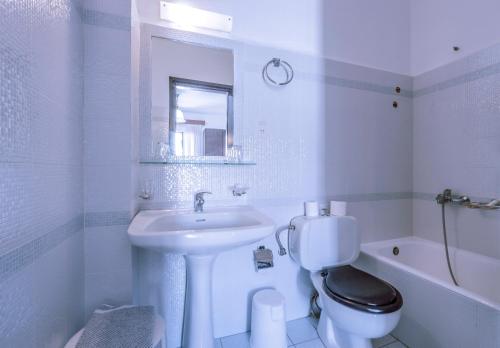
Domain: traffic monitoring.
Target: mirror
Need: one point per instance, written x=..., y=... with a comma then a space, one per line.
x=192, y=98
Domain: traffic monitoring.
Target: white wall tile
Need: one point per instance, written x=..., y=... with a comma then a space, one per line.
x=114, y=288
x=107, y=188
x=107, y=249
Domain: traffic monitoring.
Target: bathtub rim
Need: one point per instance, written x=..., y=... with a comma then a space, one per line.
x=370, y=249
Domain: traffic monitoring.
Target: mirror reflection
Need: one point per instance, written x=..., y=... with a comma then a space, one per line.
x=192, y=112
x=199, y=114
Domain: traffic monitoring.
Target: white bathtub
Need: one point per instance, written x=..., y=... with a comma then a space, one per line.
x=435, y=312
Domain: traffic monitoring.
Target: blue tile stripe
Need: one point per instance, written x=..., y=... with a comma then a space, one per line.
x=465, y=78
x=345, y=83
x=26, y=254
x=367, y=86
x=372, y=197
x=111, y=218
x=106, y=20
x=23, y=256
x=423, y=196
x=478, y=74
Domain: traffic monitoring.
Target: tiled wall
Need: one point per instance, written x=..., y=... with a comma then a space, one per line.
x=456, y=140
x=331, y=133
x=69, y=152
x=41, y=184
x=108, y=153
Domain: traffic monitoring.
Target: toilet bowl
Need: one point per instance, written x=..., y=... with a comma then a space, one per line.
x=356, y=306
x=342, y=326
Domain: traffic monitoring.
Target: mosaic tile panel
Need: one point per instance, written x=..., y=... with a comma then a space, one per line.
x=106, y=20
x=41, y=183
x=17, y=259
x=113, y=218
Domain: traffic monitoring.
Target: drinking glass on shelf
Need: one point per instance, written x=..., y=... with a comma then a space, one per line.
x=162, y=151
x=235, y=153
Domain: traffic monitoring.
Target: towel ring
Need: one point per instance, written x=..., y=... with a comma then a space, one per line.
x=277, y=62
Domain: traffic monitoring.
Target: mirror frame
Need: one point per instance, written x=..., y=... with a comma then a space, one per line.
x=147, y=33
x=172, y=119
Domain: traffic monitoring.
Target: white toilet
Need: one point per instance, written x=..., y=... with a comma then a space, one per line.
x=356, y=306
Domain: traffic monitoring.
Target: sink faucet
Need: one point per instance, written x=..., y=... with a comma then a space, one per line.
x=199, y=200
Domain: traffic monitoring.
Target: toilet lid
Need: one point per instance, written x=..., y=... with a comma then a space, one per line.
x=361, y=290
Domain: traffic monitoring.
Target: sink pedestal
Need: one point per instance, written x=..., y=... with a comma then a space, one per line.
x=200, y=237
x=198, y=314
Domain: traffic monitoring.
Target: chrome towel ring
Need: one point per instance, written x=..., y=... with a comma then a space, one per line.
x=277, y=62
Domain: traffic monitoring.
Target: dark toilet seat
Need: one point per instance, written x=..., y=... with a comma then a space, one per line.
x=360, y=290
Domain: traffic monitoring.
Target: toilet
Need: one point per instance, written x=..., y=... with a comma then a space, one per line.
x=356, y=306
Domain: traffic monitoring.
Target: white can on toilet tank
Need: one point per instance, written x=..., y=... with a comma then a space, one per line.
x=326, y=246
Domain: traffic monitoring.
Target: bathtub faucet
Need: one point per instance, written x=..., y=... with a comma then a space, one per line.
x=448, y=197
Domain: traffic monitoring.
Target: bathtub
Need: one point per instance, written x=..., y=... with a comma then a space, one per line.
x=436, y=313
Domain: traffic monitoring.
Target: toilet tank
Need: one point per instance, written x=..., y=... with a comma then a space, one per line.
x=325, y=241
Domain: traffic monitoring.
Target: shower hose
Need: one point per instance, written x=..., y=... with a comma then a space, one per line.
x=443, y=215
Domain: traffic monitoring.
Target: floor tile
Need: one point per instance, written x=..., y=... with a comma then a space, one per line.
x=383, y=341
x=236, y=341
x=218, y=343
x=316, y=343
x=300, y=330
x=396, y=344
x=314, y=322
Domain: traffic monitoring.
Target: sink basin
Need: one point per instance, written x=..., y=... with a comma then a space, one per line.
x=199, y=237
x=188, y=233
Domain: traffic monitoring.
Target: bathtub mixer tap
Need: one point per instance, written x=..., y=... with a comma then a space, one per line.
x=447, y=196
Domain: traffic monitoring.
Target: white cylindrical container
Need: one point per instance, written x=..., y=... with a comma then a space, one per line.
x=268, y=320
x=338, y=208
x=311, y=209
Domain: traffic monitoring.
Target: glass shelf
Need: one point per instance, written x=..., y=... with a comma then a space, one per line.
x=222, y=162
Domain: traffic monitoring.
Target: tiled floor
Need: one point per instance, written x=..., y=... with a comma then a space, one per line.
x=301, y=334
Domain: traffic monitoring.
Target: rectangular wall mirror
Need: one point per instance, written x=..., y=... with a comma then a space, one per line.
x=192, y=98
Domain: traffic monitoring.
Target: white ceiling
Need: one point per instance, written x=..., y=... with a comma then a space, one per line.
x=202, y=102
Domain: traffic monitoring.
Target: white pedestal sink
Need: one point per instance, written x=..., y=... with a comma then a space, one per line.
x=199, y=237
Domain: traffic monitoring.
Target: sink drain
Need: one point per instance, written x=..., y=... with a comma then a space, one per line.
x=395, y=251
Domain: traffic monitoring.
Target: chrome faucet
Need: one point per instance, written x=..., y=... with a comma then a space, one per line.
x=448, y=197
x=199, y=201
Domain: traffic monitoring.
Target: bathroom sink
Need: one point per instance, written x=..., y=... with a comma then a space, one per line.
x=200, y=237
x=186, y=232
